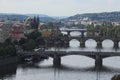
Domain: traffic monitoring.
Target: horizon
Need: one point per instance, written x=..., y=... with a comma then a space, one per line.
x=56, y=16
x=59, y=7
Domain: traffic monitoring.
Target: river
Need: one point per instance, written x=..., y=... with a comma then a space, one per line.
x=73, y=67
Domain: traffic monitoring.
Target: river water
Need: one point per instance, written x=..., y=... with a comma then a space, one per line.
x=73, y=67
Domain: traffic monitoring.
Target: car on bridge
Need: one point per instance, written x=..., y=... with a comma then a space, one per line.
x=40, y=49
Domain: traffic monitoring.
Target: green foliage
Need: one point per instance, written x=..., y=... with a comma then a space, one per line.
x=8, y=42
x=30, y=45
x=15, y=42
x=33, y=40
x=34, y=35
x=7, y=50
x=40, y=41
x=49, y=25
x=22, y=41
x=105, y=30
x=112, y=16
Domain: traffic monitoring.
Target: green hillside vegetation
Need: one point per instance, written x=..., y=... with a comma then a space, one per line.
x=112, y=16
x=7, y=49
x=106, y=30
x=21, y=17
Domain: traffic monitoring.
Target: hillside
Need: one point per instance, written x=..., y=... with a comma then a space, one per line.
x=43, y=17
x=13, y=16
x=109, y=16
x=22, y=17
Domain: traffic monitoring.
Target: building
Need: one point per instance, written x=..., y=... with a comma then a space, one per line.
x=17, y=31
x=11, y=29
x=3, y=35
x=46, y=33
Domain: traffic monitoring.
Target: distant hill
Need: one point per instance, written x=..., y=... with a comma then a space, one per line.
x=13, y=16
x=111, y=16
x=22, y=17
x=40, y=15
x=59, y=17
x=43, y=17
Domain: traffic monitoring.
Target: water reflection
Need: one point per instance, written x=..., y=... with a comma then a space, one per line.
x=8, y=72
x=72, y=68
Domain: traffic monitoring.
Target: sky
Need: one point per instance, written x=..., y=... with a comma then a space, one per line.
x=58, y=7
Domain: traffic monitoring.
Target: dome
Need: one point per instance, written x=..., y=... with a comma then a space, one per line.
x=28, y=20
x=8, y=22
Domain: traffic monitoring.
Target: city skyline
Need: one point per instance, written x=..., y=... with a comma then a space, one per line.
x=58, y=7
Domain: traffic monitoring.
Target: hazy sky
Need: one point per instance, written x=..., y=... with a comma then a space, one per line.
x=58, y=7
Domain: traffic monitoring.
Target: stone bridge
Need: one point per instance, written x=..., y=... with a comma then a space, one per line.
x=56, y=55
x=83, y=38
x=98, y=40
x=97, y=56
x=82, y=31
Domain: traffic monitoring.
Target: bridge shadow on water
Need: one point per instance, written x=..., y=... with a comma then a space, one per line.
x=35, y=65
x=8, y=71
x=70, y=68
x=90, y=68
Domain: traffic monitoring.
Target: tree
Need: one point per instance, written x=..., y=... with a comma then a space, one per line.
x=40, y=41
x=8, y=42
x=22, y=41
x=30, y=45
x=34, y=35
x=15, y=42
x=7, y=50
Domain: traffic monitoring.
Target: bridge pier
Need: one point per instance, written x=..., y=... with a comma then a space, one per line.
x=99, y=44
x=68, y=33
x=82, y=34
x=56, y=61
x=98, y=62
x=82, y=43
x=116, y=44
x=66, y=44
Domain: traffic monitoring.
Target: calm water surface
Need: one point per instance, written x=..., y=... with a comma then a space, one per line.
x=73, y=67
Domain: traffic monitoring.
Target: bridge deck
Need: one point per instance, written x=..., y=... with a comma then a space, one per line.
x=63, y=53
x=83, y=53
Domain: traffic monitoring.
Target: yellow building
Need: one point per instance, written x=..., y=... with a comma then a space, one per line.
x=46, y=33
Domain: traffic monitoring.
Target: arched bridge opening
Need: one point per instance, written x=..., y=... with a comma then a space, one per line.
x=108, y=43
x=78, y=61
x=75, y=33
x=108, y=61
x=74, y=43
x=90, y=43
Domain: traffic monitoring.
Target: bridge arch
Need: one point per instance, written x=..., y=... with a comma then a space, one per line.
x=107, y=57
x=74, y=43
x=87, y=56
x=119, y=44
x=108, y=43
x=82, y=61
x=88, y=43
x=75, y=33
x=108, y=61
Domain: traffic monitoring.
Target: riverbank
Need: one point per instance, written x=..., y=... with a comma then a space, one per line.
x=8, y=61
x=116, y=77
